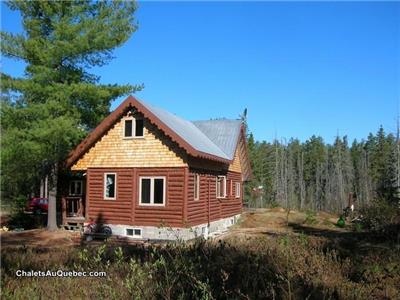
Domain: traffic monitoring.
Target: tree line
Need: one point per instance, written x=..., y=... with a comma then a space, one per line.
x=46, y=111
x=316, y=175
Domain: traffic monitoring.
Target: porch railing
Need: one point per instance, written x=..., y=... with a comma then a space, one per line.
x=72, y=207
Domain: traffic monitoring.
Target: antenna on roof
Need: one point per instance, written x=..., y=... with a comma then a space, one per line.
x=243, y=117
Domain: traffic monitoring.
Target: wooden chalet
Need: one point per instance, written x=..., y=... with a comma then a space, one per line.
x=149, y=174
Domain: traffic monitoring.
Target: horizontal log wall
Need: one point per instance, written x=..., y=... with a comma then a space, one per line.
x=172, y=213
x=125, y=209
x=231, y=205
x=199, y=211
x=118, y=211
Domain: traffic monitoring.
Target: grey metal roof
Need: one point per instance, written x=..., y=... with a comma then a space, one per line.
x=200, y=138
x=222, y=132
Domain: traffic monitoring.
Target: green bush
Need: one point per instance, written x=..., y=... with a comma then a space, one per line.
x=383, y=218
x=311, y=217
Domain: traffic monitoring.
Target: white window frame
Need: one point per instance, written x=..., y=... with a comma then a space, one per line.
x=196, y=184
x=134, y=235
x=238, y=191
x=70, y=187
x=133, y=136
x=105, y=187
x=152, y=178
x=216, y=187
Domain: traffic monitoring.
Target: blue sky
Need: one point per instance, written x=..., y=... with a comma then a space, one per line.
x=299, y=68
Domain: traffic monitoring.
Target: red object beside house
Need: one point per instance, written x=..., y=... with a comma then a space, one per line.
x=152, y=175
x=37, y=205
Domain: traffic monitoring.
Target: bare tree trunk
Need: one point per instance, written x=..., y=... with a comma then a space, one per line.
x=52, y=211
x=42, y=194
x=301, y=181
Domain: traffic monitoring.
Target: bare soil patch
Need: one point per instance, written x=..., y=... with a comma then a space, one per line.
x=39, y=238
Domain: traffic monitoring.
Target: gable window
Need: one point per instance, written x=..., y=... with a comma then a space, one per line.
x=237, y=189
x=152, y=191
x=133, y=128
x=221, y=186
x=110, y=183
x=128, y=128
x=75, y=188
x=196, y=187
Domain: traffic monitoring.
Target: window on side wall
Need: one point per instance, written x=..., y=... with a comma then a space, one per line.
x=196, y=186
x=110, y=185
x=152, y=191
x=237, y=190
x=75, y=188
x=221, y=186
x=133, y=127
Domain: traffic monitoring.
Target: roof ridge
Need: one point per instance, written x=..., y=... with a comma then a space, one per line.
x=184, y=132
x=150, y=106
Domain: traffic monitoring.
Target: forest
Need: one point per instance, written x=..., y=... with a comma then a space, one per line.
x=295, y=251
x=316, y=175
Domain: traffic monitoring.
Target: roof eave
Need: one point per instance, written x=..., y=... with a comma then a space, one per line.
x=110, y=120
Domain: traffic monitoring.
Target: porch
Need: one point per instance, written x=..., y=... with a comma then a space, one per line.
x=73, y=211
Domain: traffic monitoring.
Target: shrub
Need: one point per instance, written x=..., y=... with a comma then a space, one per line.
x=311, y=217
x=383, y=218
x=289, y=267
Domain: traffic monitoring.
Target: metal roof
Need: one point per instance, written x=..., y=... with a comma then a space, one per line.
x=214, y=137
x=222, y=132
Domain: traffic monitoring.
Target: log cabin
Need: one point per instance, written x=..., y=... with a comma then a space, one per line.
x=149, y=174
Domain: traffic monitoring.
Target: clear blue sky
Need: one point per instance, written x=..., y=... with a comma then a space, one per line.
x=299, y=68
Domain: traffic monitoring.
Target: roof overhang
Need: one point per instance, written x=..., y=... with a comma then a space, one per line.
x=112, y=118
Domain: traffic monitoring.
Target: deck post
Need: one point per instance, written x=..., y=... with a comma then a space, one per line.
x=64, y=209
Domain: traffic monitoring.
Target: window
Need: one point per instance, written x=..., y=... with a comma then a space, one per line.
x=237, y=189
x=43, y=201
x=75, y=188
x=133, y=127
x=136, y=232
x=196, y=186
x=110, y=180
x=139, y=127
x=152, y=191
x=231, y=188
x=221, y=186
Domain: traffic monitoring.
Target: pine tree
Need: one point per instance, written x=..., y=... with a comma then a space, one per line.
x=57, y=101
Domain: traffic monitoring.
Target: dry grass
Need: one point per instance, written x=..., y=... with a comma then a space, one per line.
x=261, y=258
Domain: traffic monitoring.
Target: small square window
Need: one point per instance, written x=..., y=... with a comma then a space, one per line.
x=133, y=127
x=136, y=232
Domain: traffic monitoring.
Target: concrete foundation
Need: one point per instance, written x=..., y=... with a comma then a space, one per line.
x=173, y=233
